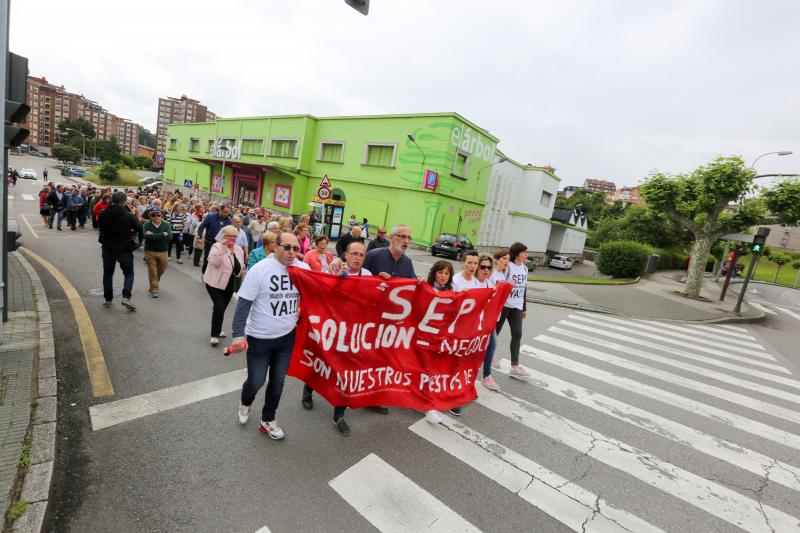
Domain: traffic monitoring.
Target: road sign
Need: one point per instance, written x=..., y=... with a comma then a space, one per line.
x=325, y=182
x=187, y=183
x=324, y=193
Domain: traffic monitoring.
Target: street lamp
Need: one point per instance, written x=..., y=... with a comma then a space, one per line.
x=781, y=152
x=414, y=140
x=227, y=151
x=501, y=160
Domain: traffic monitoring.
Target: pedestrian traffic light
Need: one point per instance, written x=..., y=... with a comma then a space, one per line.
x=759, y=240
x=16, y=107
x=362, y=6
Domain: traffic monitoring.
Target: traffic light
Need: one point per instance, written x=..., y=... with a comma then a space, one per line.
x=16, y=108
x=362, y=6
x=759, y=240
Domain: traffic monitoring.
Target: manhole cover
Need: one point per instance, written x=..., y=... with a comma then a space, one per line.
x=99, y=292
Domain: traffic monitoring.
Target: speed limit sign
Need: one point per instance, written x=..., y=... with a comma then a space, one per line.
x=324, y=193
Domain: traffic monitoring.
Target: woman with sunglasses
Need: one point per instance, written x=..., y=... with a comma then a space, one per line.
x=484, y=280
x=225, y=264
x=440, y=278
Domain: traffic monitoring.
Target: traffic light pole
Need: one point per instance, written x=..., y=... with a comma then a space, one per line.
x=738, y=309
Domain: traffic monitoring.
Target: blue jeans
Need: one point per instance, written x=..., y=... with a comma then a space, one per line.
x=263, y=355
x=487, y=361
x=57, y=215
x=110, y=260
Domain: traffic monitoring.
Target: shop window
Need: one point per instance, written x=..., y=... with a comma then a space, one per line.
x=547, y=198
x=461, y=164
x=379, y=155
x=210, y=146
x=283, y=148
x=331, y=152
x=194, y=145
x=173, y=144
x=252, y=146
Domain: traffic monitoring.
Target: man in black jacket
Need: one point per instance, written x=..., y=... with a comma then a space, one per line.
x=58, y=206
x=118, y=228
x=354, y=235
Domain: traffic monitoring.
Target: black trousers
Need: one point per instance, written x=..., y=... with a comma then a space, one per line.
x=338, y=412
x=206, y=249
x=220, y=298
x=514, y=317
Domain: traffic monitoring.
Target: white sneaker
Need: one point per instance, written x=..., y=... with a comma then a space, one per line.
x=214, y=341
x=518, y=372
x=433, y=417
x=272, y=429
x=244, y=414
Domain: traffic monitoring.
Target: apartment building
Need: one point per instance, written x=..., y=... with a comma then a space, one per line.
x=604, y=186
x=178, y=111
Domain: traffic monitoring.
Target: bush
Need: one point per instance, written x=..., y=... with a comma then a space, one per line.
x=670, y=259
x=108, y=171
x=623, y=259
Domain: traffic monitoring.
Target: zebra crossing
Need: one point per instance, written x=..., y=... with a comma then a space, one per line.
x=776, y=310
x=700, y=417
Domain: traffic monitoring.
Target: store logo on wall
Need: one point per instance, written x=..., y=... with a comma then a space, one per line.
x=226, y=152
x=472, y=142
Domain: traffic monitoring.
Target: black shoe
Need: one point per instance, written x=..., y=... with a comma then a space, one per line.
x=307, y=401
x=107, y=304
x=342, y=427
x=456, y=411
x=380, y=409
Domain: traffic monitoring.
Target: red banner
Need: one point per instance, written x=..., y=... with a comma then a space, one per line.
x=364, y=341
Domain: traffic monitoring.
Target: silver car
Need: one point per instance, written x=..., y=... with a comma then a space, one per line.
x=28, y=173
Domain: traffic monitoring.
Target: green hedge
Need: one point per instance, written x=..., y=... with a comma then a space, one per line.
x=670, y=259
x=623, y=259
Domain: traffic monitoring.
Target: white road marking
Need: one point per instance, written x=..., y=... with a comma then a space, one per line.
x=630, y=326
x=709, y=496
x=568, y=503
x=10, y=196
x=392, y=502
x=110, y=414
x=726, y=337
x=671, y=399
x=762, y=308
x=674, y=351
x=788, y=312
x=706, y=372
x=727, y=451
x=28, y=197
x=726, y=326
x=264, y=529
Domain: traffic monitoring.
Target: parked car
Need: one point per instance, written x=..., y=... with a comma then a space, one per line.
x=561, y=261
x=28, y=173
x=449, y=245
x=155, y=184
x=149, y=180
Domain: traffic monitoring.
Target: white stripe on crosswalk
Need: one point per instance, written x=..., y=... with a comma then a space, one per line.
x=709, y=496
x=629, y=326
x=10, y=196
x=726, y=337
x=28, y=197
x=788, y=312
x=706, y=372
x=568, y=503
x=732, y=453
x=264, y=529
x=674, y=351
x=671, y=399
x=392, y=502
x=762, y=308
x=681, y=381
x=726, y=326
x=731, y=330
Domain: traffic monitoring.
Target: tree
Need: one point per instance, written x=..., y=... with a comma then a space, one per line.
x=700, y=202
x=108, y=171
x=109, y=150
x=783, y=201
x=592, y=204
x=780, y=260
x=127, y=161
x=142, y=161
x=64, y=152
x=641, y=224
x=147, y=138
x=68, y=132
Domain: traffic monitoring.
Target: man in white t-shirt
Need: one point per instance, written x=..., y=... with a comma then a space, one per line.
x=264, y=324
x=354, y=255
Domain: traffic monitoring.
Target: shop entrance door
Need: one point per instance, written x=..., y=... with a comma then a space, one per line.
x=246, y=190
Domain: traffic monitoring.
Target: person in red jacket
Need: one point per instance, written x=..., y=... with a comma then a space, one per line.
x=105, y=200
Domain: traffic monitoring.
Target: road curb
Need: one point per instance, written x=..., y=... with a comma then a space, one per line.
x=38, y=479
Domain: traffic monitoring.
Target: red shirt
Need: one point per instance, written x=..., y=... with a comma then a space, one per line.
x=99, y=206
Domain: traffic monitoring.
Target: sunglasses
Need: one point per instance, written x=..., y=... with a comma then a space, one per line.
x=289, y=247
x=381, y=233
x=155, y=215
x=485, y=267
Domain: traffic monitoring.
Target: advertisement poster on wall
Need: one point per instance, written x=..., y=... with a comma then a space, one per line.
x=283, y=195
x=431, y=180
x=217, y=183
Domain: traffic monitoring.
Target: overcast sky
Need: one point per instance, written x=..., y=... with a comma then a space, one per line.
x=602, y=89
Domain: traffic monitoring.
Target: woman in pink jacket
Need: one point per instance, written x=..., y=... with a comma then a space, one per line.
x=225, y=264
x=319, y=258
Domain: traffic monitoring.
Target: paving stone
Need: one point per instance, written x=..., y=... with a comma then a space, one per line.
x=43, y=443
x=36, y=487
x=48, y=387
x=46, y=410
x=47, y=368
x=33, y=519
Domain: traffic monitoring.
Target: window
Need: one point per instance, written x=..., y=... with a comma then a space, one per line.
x=283, y=148
x=194, y=144
x=253, y=146
x=331, y=152
x=379, y=155
x=210, y=146
x=546, y=198
x=173, y=144
x=461, y=164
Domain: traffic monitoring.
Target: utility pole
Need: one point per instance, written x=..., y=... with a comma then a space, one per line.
x=758, y=247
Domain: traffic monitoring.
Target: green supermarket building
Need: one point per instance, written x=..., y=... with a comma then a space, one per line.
x=429, y=171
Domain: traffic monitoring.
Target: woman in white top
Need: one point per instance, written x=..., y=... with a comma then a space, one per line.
x=515, y=308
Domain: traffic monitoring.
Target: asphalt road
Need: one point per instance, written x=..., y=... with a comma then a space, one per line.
x=671, y=425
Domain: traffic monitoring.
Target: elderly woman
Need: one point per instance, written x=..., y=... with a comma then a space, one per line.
x=225, y=264
x=318, y=258
x=302, y=231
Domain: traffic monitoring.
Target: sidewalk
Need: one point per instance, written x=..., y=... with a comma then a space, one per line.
x=653, y=298
x=27, y=399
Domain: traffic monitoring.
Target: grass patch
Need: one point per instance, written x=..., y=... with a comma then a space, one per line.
x=18, y=509
x=765, y=271
x=582, y=281
x=25, y=456
x=127, y=178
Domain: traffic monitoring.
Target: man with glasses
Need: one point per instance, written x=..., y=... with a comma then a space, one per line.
x=157, y=236
x=264, y=324
x=380, y=241
x=355, y=258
